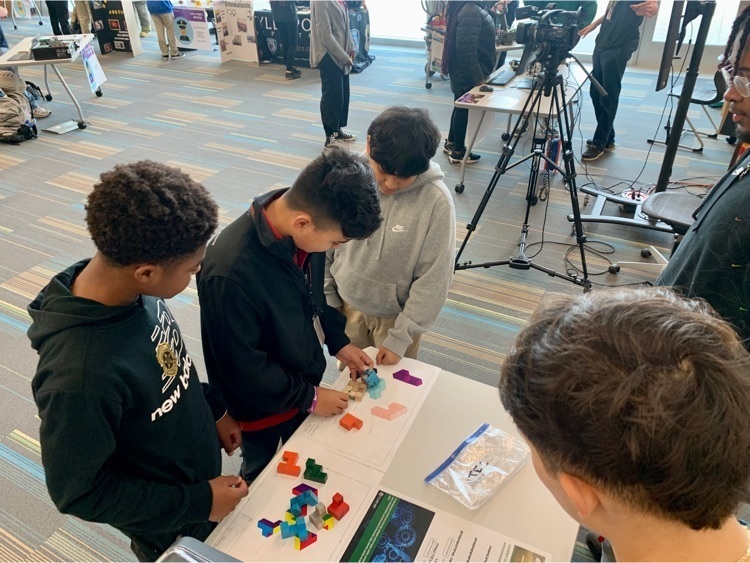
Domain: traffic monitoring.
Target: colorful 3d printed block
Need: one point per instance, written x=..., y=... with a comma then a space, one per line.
x=370, y=377
x=377, y=389
x=288, y=530
x=267, y=527
x=314, y=472
x=394, y=410
x=300, y=545
x=338, y=508
x=350, y=421
x=289, y=464
x=328, y=522
x=302, y=487
x=406, y=377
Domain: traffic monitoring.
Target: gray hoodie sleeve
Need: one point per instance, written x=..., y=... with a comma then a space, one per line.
x=324, y=15
x=433, y=276
x=329, y=288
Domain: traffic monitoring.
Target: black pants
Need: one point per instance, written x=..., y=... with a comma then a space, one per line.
x=334, y=99
x=288, y=36
x=260, y=446
x=59, y=17
x=609, y=68
x=459, y=124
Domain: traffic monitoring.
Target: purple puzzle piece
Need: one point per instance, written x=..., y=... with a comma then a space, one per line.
x=406, y=377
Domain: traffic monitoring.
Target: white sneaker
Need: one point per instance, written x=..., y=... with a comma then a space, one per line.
x=145, y=33
x=40, y=112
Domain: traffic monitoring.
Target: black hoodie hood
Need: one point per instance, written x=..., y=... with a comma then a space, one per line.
x=56, y=309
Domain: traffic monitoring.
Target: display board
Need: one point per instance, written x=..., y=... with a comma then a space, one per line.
x=116, y=26
x=191, y=28
x=235, y=29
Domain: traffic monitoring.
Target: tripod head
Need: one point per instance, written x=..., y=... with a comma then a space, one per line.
x=551, y=34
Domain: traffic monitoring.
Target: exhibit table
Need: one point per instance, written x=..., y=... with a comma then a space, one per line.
x=384, y=463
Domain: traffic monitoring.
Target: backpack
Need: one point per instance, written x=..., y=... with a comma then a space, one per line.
x=16, y=124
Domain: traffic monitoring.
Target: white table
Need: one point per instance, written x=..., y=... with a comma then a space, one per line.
x=511, y=100
x=523, y=508
x=25, y=46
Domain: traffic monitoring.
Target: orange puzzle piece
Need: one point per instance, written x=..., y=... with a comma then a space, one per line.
x=288, y=465
x=350, y=421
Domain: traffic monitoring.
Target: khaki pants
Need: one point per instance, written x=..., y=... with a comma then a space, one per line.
x=365, y=330
x=82, y=13
x=164, y=26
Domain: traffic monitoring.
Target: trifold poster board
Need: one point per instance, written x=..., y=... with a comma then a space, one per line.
x=116, y=26
x=235, y=28
x=191, y=28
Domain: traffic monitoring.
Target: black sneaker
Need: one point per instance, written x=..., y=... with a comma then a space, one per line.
x=292, y=74
x=592, y=153
x=165, y=57
x=448, y=147
x=343, y=136
x=330, y=141
x=609, y=148
x=456, y=157
x=177, y=55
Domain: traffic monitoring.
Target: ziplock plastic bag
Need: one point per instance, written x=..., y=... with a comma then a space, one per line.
x=475, y=471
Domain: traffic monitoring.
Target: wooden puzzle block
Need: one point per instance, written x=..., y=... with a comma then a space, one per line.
x=356, y=389
x=328, y=522
x=314, y=472
x=338, y=508
x=289, y=466
x=316, y=520
x=289, y=517
x=394, y=410
x=300, y=545
x=406, y=377
x=349, y=421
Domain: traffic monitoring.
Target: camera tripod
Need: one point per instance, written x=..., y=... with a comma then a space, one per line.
x=550, y=84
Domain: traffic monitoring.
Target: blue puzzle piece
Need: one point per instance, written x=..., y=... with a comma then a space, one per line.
x=288, y=530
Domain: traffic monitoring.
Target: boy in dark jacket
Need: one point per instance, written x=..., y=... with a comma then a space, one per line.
x=127, y=436
x=263, y=313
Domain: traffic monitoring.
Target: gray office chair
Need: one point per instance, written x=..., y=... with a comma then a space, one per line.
x=705, y=93
x=673, y=208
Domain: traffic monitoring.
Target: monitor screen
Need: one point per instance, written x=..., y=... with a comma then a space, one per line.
x=670, y=44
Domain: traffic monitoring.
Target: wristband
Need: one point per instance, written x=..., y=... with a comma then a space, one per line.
x=315, y=401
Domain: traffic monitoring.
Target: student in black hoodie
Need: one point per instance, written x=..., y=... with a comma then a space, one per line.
x=127, y=436
x=264, y=316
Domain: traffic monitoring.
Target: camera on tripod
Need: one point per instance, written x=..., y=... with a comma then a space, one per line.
x=552, y=34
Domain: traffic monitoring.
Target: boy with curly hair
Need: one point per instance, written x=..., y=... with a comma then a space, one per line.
x=127, y=436
x=634, y=404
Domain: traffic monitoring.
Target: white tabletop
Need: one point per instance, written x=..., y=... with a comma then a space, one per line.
x=26, y=43
x=523, y=508
x=511, y=99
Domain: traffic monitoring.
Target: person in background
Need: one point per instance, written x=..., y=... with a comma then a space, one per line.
x=634, y=404
x=588, y=8
x=392, y=286
x=59, y=16
x=129, y=435
x=285, y=18
x=162, y=14
x=616, y=42
x=143, y=17
x=82, y=15
x=332, y=52
x=468, y=58
x=3, y=40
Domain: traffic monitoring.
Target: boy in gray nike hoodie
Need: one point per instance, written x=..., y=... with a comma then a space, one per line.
x=392, y=285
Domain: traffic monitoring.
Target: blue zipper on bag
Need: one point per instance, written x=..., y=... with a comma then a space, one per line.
x=442, y=467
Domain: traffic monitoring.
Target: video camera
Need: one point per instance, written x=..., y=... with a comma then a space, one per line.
x=552, y=35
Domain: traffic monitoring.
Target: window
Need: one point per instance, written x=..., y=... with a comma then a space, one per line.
x=721, y=23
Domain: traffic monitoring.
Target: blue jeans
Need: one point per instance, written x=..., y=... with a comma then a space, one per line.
x=609, y=68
